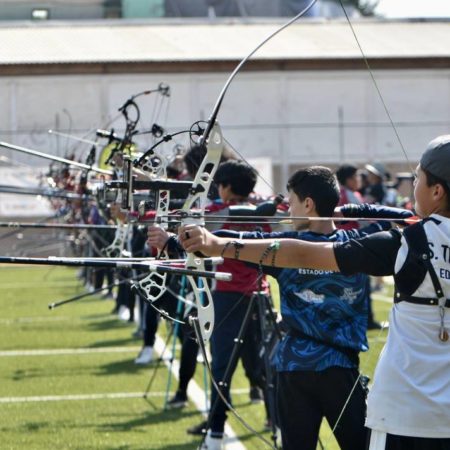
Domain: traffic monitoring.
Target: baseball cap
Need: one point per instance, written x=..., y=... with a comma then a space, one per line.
x=377, y=169
x=436, y=158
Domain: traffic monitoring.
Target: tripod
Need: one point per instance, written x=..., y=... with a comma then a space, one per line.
x=270, y=334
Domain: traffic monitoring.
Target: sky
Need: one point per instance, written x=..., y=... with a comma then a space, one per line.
x=414, y=8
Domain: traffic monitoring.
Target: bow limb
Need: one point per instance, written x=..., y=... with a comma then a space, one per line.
x=199, y=194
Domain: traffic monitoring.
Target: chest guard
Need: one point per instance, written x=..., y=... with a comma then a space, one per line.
x=415, y=268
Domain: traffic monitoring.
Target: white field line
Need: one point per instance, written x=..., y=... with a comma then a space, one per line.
x=69, y=351
x=104, y=396
x=197, y=395
x=50, y=318
x=41, y=284
x=61, y=398
x=36, y=319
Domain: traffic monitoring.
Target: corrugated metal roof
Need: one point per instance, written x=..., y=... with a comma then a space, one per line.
x=66, y=43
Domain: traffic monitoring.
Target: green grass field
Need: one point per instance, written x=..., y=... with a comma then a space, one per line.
x=68, y=380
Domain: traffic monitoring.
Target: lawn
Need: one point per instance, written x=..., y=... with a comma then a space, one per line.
x=68, y=378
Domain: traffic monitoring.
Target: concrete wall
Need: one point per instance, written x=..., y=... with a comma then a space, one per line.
x=70, y=10
x=295, y=118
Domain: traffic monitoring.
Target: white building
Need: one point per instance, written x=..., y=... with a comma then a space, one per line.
x=305, y=98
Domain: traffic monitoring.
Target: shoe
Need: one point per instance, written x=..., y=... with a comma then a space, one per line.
x=145, y=356
x=179, y=400
x=124, y=313
x=256, y=395
x=200, y=359
x=197, y=430
x=212, y=442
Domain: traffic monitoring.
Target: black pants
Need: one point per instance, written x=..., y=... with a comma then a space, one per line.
x=150, y=324
x=229, y=312
x=304, y=398
x=394, y=442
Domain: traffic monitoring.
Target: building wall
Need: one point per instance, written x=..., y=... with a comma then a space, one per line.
x=60, y=10
x=295, y=118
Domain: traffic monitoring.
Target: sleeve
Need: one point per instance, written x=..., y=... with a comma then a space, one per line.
x=375, y=211
x=373, y=255
x=256, y=234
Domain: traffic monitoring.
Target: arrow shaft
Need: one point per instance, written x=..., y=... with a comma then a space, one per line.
x=29, y=151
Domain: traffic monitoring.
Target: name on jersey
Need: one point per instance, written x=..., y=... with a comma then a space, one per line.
x=314, y=272
x=443, y=273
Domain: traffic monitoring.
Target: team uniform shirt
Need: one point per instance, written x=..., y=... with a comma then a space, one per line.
x=411, y=391
x=325, y=311
x=245, y=278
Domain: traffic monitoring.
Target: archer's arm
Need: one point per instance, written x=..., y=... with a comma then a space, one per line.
x=291, y=253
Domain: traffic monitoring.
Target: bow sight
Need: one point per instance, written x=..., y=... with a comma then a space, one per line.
x=129, y=190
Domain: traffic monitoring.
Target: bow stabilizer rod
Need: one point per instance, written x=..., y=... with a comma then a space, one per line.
x=78, y=165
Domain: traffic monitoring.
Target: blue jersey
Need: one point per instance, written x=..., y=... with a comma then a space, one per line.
x=324, y=311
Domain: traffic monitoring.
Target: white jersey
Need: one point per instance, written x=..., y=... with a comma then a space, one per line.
x=411, y=391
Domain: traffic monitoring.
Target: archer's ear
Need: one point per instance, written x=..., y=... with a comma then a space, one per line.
x=439, y=191
x=309, y=204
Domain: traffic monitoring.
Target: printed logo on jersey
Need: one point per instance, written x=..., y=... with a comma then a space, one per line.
x=309, y=296
x=350, y=295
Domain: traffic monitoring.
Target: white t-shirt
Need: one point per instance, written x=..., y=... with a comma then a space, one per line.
x=411, y=391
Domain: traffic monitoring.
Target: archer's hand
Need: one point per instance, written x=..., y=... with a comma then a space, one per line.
x=196, y=239
x=157, y=237
x=117, y=213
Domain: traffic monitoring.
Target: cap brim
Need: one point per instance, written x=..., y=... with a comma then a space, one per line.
x=374, y=170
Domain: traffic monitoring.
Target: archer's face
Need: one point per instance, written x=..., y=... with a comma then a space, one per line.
x=423, y=194
x=298, y=208
x=354, y=182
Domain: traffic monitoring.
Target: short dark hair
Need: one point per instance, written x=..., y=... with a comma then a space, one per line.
x=433, y=179
x=345, y=172
x=318, y=183
x=238, y=175
x=194, y=157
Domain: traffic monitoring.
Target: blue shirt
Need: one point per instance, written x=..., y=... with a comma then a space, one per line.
x=325, y=312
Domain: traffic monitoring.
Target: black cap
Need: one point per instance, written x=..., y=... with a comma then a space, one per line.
x=436, y=158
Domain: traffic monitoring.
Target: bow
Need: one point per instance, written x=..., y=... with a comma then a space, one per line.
x=154, y=285
x=198, y=194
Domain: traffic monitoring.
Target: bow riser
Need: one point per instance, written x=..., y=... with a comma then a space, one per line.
x=199, y=194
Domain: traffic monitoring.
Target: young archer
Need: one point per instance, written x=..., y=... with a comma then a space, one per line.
x=409, y=404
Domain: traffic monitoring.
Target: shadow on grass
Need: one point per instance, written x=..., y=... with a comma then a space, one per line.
x=128, y=366
x=107, y=324
x=114, y=343
x=147, y=419
x=46, y=372
x=117, y=367
x=27, y=427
